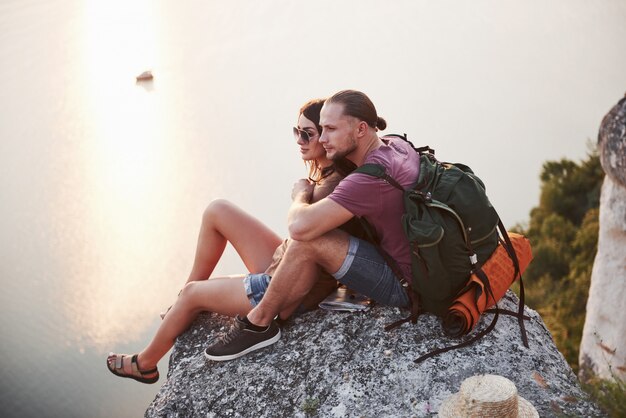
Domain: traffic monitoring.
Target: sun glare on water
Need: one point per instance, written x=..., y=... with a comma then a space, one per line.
x=121, y=157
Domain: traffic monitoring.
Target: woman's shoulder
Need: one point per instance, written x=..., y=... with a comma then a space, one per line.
x=334, y=177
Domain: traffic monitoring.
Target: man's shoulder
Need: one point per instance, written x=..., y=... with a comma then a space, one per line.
x=394, y=152
x=399, y=159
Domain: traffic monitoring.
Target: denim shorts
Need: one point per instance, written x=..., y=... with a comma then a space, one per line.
x=256, y=284
x=365, y=271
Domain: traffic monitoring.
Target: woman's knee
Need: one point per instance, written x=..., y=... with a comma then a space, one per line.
x=217, y=208
x=188, y=297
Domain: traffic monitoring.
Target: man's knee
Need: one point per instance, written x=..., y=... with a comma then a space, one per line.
x=331, y=246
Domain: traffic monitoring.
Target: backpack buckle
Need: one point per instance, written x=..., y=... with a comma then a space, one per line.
x=473, y=259
x=425, y=197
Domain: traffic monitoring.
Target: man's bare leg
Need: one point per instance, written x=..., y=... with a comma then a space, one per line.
x=297, y=274
x=294, y=277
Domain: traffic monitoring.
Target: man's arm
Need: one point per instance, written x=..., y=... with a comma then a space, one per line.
x=307, y=221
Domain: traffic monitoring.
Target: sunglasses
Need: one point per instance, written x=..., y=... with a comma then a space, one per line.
x=301, y=134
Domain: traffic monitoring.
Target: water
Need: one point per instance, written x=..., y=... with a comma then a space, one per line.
x=103, y=181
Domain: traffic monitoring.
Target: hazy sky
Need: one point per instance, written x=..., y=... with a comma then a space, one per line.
x=500, y=85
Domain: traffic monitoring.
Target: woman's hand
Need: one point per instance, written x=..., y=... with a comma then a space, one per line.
x=302, y=191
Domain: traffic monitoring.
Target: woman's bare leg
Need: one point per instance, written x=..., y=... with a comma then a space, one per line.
x=223, y=295
x=224, y=222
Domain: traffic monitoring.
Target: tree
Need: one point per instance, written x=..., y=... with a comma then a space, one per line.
x=563, y=231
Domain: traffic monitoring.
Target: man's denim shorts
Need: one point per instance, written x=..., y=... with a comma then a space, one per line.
x=256, y=284
x=365, y=271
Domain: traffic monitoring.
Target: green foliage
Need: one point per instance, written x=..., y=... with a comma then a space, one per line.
x=563, y=230
x=609, y=395
x=570, y=189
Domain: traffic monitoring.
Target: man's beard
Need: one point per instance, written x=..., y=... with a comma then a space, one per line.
x=352, y=145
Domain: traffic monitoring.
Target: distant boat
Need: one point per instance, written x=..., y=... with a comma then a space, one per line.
x=146, y=75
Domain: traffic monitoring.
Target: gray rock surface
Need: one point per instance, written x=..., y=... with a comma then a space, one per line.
x=332, y=364
x=612, y=143
x=603, y=345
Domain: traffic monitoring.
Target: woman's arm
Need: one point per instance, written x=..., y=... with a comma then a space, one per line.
x=326, y=187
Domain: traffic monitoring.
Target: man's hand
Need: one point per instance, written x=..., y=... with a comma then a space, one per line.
x=302, y=191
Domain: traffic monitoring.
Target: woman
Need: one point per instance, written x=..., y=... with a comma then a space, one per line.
x=259, y=248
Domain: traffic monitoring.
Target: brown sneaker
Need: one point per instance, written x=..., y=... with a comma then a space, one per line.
x=240, y=340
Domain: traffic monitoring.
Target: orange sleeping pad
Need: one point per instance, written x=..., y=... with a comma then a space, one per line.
x=465, y=311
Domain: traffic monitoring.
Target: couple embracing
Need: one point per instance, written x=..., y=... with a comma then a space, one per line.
x=325, y=245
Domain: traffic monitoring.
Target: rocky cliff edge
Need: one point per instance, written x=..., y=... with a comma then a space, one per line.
x=332, y=364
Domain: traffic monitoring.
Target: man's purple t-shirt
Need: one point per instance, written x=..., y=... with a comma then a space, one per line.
x=378, y=201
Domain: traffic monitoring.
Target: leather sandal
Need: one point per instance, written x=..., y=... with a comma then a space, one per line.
x=115, y=364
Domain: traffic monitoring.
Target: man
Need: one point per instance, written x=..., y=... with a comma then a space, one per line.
x=349, y=129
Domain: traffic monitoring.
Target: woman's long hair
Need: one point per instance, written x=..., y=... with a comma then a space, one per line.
x=311, y=111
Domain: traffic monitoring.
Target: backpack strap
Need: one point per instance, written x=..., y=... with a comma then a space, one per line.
x=377, y=170
x=391, y=262
x=483, y=277
x=420, y=150
x=508, y=246
x=507, y=312
x=511, y=251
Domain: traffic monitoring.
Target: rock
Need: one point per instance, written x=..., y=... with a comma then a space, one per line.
x=612, y=143
x=603, y=345
x=332, y=364
x=145, y=76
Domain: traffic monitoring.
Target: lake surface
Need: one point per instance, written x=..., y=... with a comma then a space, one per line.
x=103, y=181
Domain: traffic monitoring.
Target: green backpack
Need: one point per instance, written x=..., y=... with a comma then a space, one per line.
x=452, y=229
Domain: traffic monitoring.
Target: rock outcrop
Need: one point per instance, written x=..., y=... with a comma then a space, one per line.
x=612, y=143
x=332, y=364
x=603, y=345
